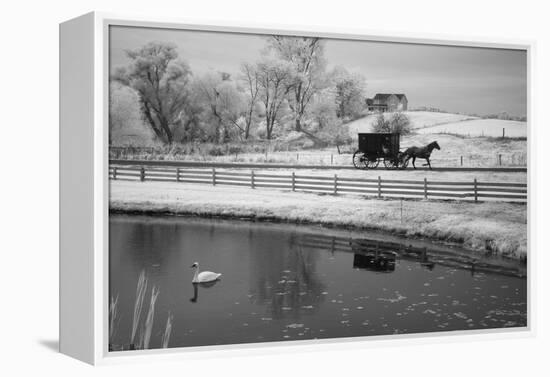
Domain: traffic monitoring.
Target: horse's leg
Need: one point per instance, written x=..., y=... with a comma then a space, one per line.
x=414, y=159
x=428, y=159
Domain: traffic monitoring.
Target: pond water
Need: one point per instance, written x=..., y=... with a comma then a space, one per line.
x=292, y=282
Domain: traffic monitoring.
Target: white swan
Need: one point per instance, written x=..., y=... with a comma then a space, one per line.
x=205, y=276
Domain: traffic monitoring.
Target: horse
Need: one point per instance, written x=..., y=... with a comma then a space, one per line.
x=420, y=152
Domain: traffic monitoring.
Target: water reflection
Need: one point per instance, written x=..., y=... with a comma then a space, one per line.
x=381, y=256
x=283, y=283
x=286, y=282
x=196, y=287
x=375, y=262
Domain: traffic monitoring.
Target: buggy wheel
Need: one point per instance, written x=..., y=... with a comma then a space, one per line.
x=372, y=163
x=359, y=160
x=391, y=163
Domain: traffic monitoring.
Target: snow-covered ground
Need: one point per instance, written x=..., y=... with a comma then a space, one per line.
x=409, y=174
x=480, y=127
x=419, y=119
x=425, y=122
x=475, y=152
x=497, y=226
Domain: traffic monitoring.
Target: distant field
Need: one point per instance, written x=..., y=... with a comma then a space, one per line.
x=419, y=119
x=484, y=147
x=479, y=151
x=475, y=152
x=426, y=122
x=480, y=127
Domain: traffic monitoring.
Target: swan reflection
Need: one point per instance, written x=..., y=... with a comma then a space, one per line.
x=201, y=285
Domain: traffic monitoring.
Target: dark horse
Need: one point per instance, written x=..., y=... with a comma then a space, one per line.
x=420, y=152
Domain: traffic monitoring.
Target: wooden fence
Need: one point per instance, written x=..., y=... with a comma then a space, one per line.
x=318, y=158
x=262, y=165
x=466, y=190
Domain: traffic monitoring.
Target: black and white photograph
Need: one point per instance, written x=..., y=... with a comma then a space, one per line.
x=278, y=188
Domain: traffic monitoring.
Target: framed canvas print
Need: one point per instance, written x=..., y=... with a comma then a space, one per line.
x=225, y=187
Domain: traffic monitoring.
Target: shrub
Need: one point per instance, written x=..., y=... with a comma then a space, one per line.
x=216, y=151
x=397, y=123
x=381, y=124
x=235, y=149
x=400, y=123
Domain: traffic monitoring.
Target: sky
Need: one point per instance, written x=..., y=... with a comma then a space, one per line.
x=456, y=79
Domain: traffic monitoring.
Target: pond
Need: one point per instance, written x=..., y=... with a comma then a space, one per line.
x=294, y=282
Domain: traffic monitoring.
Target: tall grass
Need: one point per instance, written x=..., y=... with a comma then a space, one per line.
x=142, y=328
x=138, y=305
x=167, y=331
x=148, y=326
x=113, y=316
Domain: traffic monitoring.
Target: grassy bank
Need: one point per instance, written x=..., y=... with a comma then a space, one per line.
x=496, y=227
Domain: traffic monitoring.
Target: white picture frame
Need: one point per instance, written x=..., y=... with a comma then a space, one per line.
x=84, y=187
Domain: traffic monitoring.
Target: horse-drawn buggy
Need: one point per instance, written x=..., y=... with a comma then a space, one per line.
x=376, y=147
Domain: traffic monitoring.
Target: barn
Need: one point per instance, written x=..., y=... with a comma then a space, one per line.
x=388, y=102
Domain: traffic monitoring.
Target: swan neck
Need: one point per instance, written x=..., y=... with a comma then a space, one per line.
x=195, y=278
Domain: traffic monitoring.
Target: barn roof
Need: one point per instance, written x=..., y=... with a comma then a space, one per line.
x=385, y=96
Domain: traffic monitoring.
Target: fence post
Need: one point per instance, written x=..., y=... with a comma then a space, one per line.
x=401, y=206
x=142, y=174
x=500, y=160
x=335, y=184
x=331, y=158
x=252, y=179
x=425, y=188
x=297, y=157
x=114, y=173
x=293, y=182
x=475, y=190
x=177, y=174
x=213, y=176
x=461, y=160
x=503, y=132
x=379, y=187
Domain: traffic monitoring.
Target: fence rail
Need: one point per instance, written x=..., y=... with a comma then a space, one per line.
x=247, y=165
x=473, y=190
x=324, y=158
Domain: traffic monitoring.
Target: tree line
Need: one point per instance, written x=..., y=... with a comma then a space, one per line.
x=289, y=88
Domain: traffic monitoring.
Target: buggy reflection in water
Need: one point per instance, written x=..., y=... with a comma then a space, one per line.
x=375, y=262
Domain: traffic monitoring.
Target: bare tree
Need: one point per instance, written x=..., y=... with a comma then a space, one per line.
x=350, y=93
x=161, y=79
x=250, y=78
x=126, y=123
x=222, y=102
x=274, y=80
x=306, y=57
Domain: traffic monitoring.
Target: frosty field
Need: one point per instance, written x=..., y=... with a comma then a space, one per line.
x=480, y=127
x=425, y=122
x=419, y=119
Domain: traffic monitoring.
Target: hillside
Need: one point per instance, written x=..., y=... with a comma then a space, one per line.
x=419, y=119
x=480, y=127
x=425, y=122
